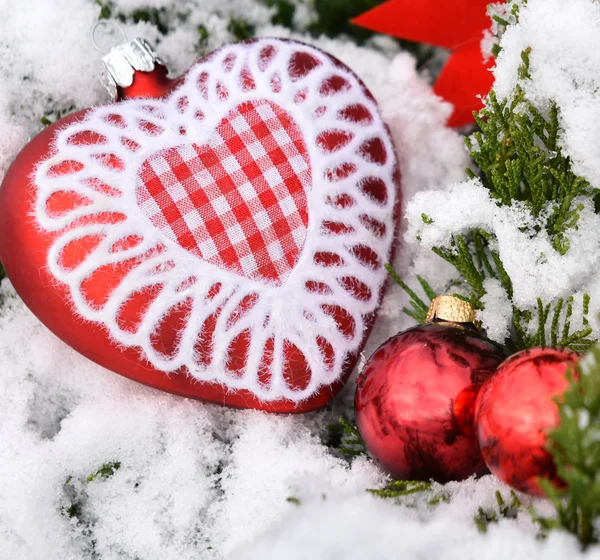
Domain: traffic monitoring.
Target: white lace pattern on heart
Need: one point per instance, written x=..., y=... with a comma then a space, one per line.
x=187, y=314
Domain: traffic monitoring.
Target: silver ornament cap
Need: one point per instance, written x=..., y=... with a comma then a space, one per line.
x=123, y=61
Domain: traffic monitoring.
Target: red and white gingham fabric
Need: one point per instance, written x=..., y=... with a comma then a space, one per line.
x=238, y=201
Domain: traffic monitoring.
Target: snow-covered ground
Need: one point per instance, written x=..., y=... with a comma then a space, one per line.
x=199, y=481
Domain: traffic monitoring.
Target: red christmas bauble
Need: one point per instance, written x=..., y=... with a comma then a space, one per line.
x=415, y=401
x=221, y=236
x=514, y=412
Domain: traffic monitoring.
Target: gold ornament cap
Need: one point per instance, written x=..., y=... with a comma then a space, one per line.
x=450, y=309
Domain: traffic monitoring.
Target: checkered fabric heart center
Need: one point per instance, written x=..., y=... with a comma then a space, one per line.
x=239, y=201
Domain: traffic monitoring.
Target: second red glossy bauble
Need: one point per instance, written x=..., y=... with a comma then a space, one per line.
x=514, y=412
x=415, y=401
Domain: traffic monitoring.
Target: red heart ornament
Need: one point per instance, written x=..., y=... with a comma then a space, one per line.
x=223, y=241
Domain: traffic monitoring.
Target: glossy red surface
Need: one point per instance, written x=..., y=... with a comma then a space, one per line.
x=415, y=402
x=23, y=249
x=154, y=84
x=514, y=412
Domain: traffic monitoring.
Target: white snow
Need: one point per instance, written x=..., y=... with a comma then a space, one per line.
x=197, y=481
x=536, y=269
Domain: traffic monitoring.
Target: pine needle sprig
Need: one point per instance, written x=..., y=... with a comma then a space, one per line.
x=553, y=327
x=75, y=504
x=471, y=255
x=512, y=13
x=575, y=447
x=396, y=490
x=518, y=153
x=105, y=471
x=462, y=255
x=400, y=488
x=50, y=117
x=345, y=438
x=517, y=150
x=484, y=517
x=419, y=307
x=555, y=332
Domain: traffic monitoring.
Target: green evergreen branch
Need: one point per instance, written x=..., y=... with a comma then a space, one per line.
x=476, y=262
x=105, y=471
x=463, y=255
x=419, y=307
x=345, y=438
x=75, y=504
x=154, y=16
x=556, y=333
x=105, y=9
x=484, y=517
x=50, y=117
x=399, y=488
x=519, y=157
x=518, y=153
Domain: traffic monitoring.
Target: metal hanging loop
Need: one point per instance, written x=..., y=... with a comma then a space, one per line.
x=109, y=24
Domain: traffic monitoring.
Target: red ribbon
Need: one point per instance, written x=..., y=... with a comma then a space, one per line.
x=458, y=26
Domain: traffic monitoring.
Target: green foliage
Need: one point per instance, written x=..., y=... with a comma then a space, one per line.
x=240, y=29
x=520, y=160
x=344, y=438
x=575, y=447
x=419, y=307
x=75, y=497
x=155, y=16
x=518, y=153
x=203, y=35
x=472, y=257
x=75, y=488
x=294, y=501
x=558, y=337
x=105, y=471
x=284, y=12
x=484, y=517
x=513, y=8
x=334, y=18
x=50, y=117
x=105, y=9
x=399, y=488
